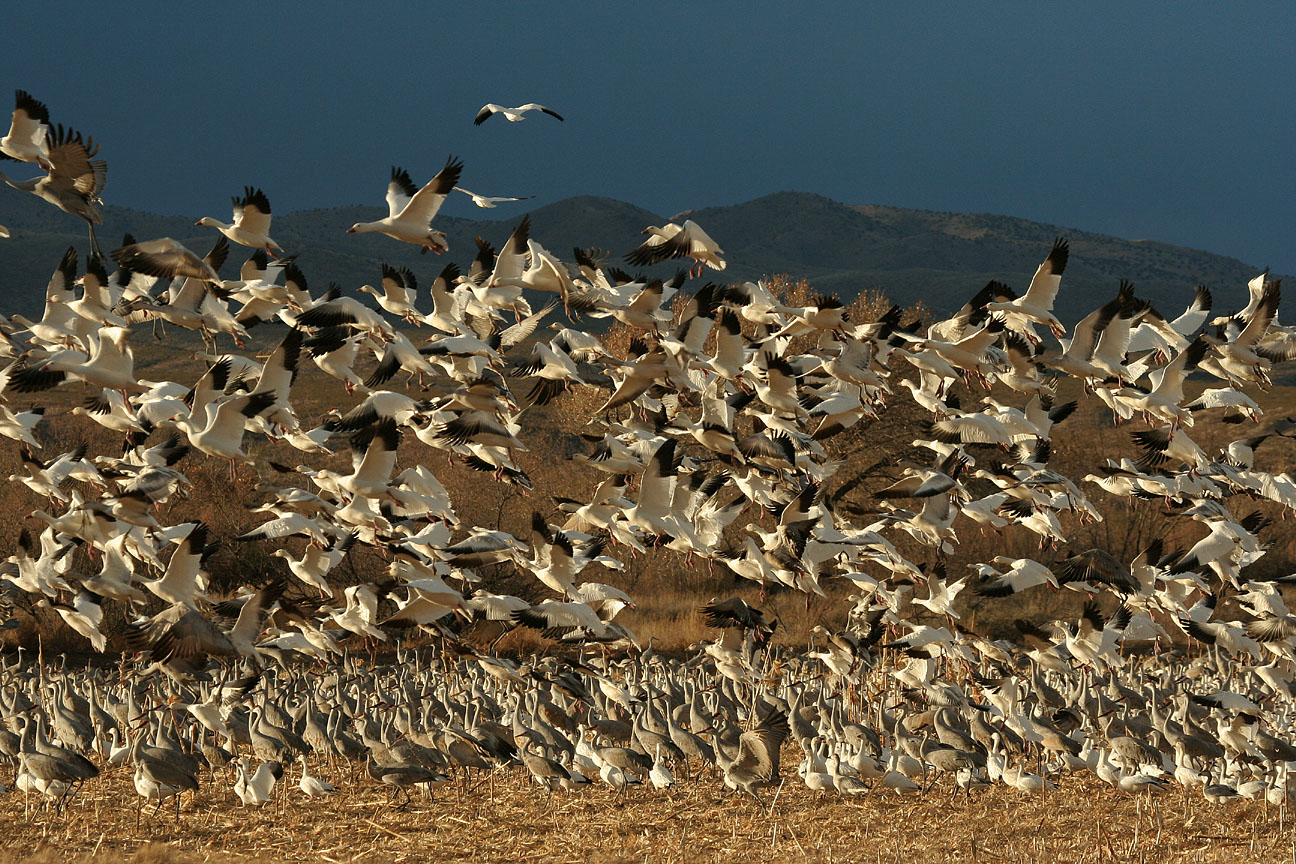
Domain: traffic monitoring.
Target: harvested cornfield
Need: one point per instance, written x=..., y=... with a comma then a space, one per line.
x=510, y=819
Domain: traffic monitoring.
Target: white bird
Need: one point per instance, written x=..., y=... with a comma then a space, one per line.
x=256, y=789
x=411, y=210
x=513, y=115
x=251, y=225
x=678, y=241
x=29, y=131
x=488, y=201
x=314, y=787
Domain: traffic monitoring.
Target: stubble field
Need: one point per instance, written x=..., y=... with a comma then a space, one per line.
x=512, y=820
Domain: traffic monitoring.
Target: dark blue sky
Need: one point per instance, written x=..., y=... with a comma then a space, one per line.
x=1169, y=121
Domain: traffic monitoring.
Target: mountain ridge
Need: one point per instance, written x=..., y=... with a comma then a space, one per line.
x=937, y=257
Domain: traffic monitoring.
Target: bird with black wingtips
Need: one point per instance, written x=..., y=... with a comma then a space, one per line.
x=28, y=139
x=513, y=115
x=411, y=209
x=251, y=225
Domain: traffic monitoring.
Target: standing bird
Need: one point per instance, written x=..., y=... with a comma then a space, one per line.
x=513, y=115
x=74, y=180
x=411, y=210
x=251, y=225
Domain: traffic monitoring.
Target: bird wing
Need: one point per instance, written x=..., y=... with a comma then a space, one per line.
x=164, y=258
x=669, y=243
x=1044, y=286
x=758, y=749
x=400, y=189
x=281, y=366
x=535, y=106
x=252, y=616
x=30, y=119
x=252, y=211
x=486, y=111
x=423, y=207
x=511, y=260
x=655, y=487
x=1265, y=312
x=69, y=156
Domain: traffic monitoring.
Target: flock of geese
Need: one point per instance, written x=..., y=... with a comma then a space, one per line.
x=725, y=405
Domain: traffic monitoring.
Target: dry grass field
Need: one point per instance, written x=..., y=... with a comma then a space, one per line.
x=1083, y=821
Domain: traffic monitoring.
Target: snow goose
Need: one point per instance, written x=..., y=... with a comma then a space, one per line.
x=1242, y=358
x=85, y=616
x=488, y=201
x=29, y=131
x=1162, y=402
x=513, y=115
x=1163, y=337
x=311, y=786
x=373, y=454
x=251, y=225
x=276, y=379
x=398, y=295
x=411, y=210
x=74, y=181
x=19, y=426
x=346, y=311
x=360, y=613
x=678, y=241
x=1037, y=303
x=110, y=364
x=335, y=351
x=258, y=788
x=1076, y=358
x=317, y=561
x=220, y=433
x=557, y=558
x=184, y=578
x=55, y=329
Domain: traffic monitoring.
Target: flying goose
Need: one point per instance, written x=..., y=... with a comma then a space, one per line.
x=678, y=241
x=487, y=201
x=1037, y=303
x=410, y=209
x=513, y=115
x=251, y=225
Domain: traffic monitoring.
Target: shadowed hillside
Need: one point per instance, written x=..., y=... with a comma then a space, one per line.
x=912, y=255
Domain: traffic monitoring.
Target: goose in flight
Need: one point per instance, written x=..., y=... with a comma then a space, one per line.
x=488, y=201
x=251, y=225
x=1037, y=303
x=513, y=115
x=74, y=180
x=678, y=241
x=411, y=210
x=29, y=130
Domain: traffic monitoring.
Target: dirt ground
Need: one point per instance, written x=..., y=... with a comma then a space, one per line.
x=513, y=820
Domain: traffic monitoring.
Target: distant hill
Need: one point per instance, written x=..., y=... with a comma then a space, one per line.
x=939, y=258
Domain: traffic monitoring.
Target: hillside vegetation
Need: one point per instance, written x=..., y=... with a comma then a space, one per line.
x=913, y=256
